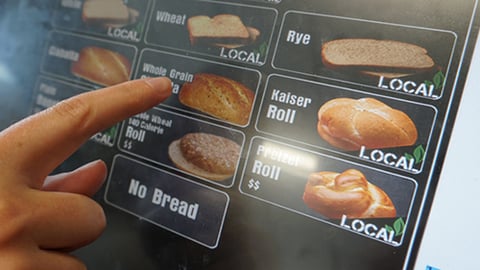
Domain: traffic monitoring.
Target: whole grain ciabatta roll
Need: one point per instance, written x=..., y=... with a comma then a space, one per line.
x=350, y=124
x=348, y=193
x=205, y=155
x=101, y=66
x=376, y=55
x=219, y=97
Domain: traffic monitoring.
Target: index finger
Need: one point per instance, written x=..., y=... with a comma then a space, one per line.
x=38, y=144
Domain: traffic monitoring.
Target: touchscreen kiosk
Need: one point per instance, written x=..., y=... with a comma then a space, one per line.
x=299, y=135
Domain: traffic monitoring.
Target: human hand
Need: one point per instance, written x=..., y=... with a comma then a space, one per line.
x=44, y=217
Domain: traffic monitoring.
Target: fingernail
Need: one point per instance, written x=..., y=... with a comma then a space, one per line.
x=161, y=84
x=94, y=163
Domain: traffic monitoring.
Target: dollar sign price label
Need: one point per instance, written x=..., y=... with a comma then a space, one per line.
x=254, y=184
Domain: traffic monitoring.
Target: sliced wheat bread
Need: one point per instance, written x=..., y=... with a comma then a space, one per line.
x=223, y=28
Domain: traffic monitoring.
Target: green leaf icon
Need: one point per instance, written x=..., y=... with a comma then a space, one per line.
x=399, y=226
x=438, y=80
x=263, y=49
x=389, y=228
x=138, y=27
x=419, y=154
x=111, y=132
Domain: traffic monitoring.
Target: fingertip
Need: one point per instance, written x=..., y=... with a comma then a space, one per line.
x=99, y=218
x=96, y=171
x=90, y=216
x=98, y=165
x=93, y=218
x=86, y=180
x=162, y=85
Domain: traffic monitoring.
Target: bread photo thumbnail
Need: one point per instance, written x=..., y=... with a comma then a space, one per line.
x=107, y=13
x=348, y=193
x=349, y=124
x=205, y=155
x=376, y=57
x=223, y=30
x=219, y=97
x=101, y=66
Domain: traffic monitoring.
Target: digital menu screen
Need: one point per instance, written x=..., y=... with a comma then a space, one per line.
x=300, y=134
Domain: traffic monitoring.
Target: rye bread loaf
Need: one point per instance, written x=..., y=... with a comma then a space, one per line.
x=349, y=124
x=101, y=66
x=379, y=55
x=220, y=29
x=219, y=97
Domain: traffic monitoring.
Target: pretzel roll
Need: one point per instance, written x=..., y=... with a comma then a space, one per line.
x=350, y=124
x=349, y=193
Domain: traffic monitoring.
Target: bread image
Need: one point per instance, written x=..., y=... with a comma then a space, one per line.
x=108, y=13
x=350, y=124
x=223, y=30
x=219, y=97
x=205, y=155
x=101, y=66
x=377, y=55
x=348, y=193
x=254, y=35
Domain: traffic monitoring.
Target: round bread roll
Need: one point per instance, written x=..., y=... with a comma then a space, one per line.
x=205, y=155
x=349, y=193
x=350, y=124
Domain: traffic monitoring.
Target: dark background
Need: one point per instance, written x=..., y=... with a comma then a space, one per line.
x=256, y=235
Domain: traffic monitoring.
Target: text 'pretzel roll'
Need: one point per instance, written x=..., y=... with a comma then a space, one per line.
x=350, y=124
x=349, y=193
